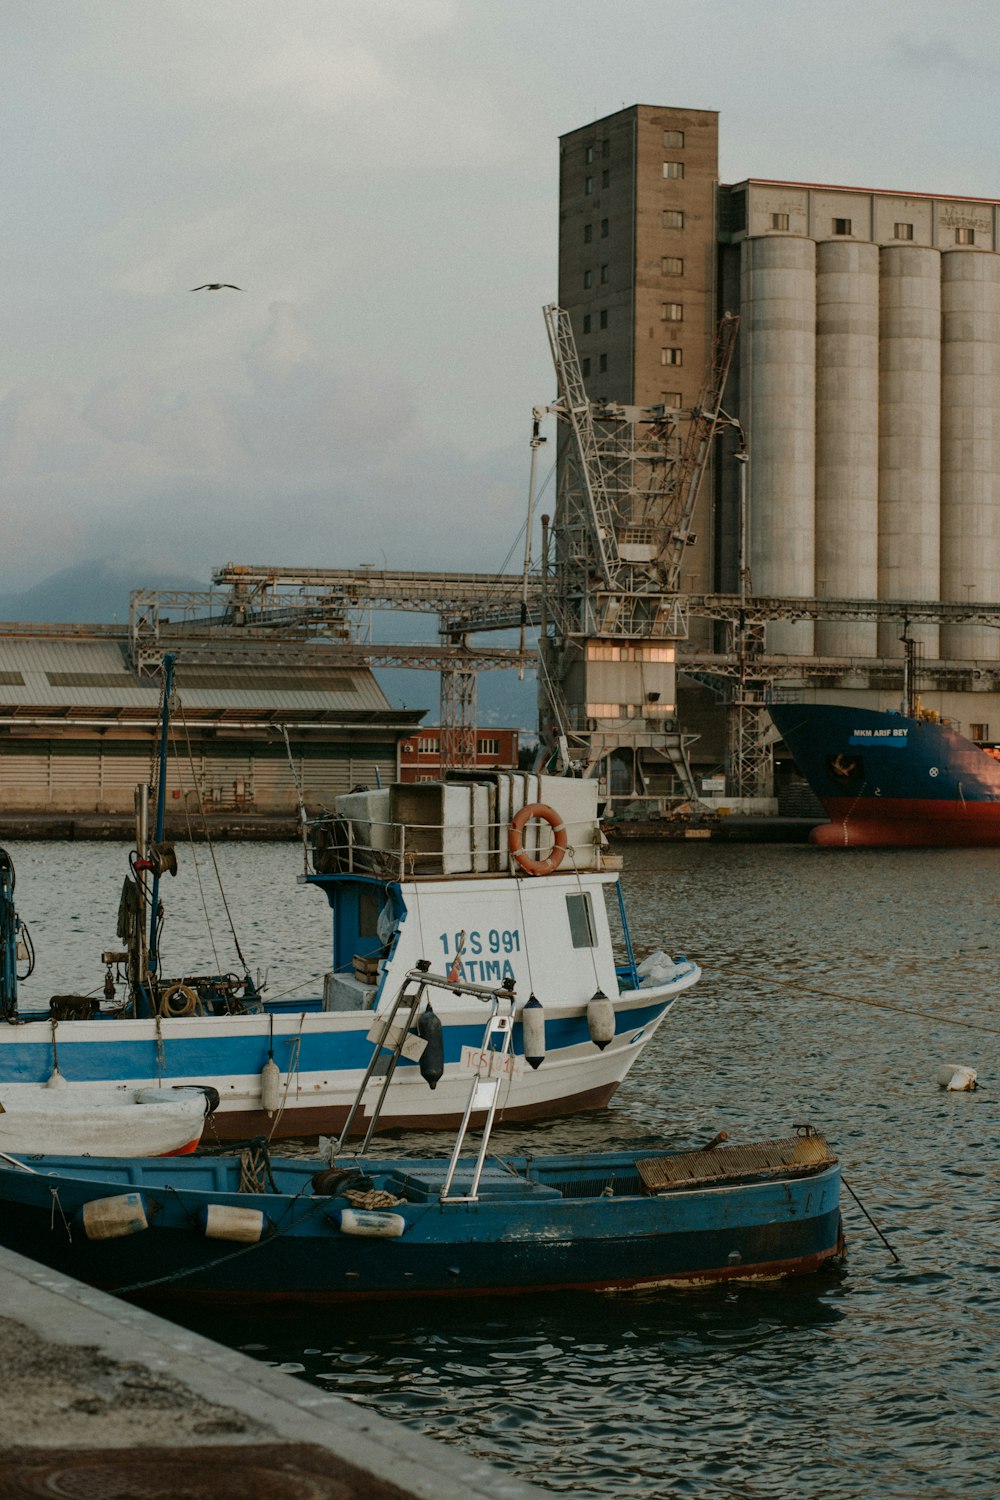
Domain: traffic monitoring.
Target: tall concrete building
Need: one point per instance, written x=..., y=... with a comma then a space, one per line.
x=868, y=384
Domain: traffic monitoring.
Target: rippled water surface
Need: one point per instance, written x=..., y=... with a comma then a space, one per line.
x=878, y=1381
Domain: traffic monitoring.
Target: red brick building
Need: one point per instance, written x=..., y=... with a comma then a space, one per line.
x=420, y=753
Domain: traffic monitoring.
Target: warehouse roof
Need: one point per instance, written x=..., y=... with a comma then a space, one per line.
x=59, y=673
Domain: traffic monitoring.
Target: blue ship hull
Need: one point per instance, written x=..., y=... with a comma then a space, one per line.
x=887, y=780
x=546, y=1223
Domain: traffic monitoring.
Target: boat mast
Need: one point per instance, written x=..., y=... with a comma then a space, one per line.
x=161, y=801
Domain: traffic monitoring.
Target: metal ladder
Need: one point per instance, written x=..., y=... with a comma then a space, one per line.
x=484, y=1094
x=403, y=1040
x=414, y=999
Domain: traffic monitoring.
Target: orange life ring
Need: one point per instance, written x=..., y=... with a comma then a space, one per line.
x=559, y=845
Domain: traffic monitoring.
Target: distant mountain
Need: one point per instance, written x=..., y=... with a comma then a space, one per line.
x=91, y=593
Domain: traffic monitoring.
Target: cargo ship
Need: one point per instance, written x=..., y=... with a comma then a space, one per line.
x=892, y=780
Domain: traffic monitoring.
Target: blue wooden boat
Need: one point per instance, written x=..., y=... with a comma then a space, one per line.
x=499, y=889
x=374, y=1227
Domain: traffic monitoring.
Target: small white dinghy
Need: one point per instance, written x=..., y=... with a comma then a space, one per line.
x=94, y=1120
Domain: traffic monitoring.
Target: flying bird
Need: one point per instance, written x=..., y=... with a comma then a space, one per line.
x=216, y=286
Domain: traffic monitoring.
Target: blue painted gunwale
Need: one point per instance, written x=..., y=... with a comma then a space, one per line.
x=239, y=1046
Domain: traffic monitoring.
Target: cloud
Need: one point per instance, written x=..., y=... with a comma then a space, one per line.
x=290, y=455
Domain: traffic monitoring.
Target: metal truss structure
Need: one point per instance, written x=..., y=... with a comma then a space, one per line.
x=629, y=479
x=290, y=615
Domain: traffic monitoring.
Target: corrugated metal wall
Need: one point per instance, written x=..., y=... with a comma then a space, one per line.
x=56, y=776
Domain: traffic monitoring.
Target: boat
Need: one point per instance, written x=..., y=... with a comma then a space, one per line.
x=892, y=779
x=98, y=1121
x=346, y=1226
x=445, y=898
x=408, y=1227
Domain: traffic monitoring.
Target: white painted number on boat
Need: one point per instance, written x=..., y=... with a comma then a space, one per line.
x=495, y=941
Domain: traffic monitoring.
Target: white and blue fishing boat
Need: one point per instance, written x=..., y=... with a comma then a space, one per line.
x=494, y=890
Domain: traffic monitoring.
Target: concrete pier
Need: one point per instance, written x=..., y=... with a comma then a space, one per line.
x=104, y=1398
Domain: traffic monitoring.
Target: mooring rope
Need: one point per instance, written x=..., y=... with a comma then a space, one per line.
x=938, y=1017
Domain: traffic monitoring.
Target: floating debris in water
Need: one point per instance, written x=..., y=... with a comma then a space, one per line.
x=957, y=1079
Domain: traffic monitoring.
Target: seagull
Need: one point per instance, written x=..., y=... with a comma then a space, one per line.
x=216, y=286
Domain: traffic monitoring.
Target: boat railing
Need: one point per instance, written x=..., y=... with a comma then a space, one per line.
x=400, y=851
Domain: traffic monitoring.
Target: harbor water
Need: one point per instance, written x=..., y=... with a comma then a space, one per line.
x=836, y=985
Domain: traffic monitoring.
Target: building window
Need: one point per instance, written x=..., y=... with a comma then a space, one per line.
x=902, y=231
x=602, y=321
x=589, y=155
x=671, y=398
x=673, y=218
x=672, y=265
x=586, y=322
x=604, y=275
x=427, y=746
x=602, y=363
x=588, y=280
x=605, y=178
x=965, y=236
x=605, y=148
x=980, y=731
x=674, y=138
x=605, y=225
x=671, y=356
x=779, y=221
x=586, y=368
x=588, y=233
x=581, y=920
x=842, y=226
x=673, y=312
x=489, y=745
x=673, y=169
x=588, y=186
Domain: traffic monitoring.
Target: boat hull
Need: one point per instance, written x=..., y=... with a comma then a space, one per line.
x=322, y=1056
x=889, y=781
x=519, y=1237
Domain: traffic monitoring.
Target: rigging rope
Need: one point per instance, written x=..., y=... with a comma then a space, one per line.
x=906, y=1010
x=197, y=875
x=208, y=840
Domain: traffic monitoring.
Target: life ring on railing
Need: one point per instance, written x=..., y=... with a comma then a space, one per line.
x=179, y=1000
x=559, y=841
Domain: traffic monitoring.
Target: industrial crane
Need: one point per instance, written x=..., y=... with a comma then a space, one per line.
x=629, y=482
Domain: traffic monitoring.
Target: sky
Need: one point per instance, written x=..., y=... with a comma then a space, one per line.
x=380, y=178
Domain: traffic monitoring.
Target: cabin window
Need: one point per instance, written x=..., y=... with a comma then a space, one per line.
x=581, y=920
x=370, y=902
